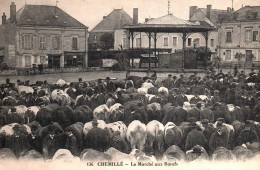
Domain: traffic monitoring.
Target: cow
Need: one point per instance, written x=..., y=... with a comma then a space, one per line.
x=94, y=155
x=60, y=97
x=101, y=113
x=83, y=114
x=173, y=154
x=136, y=134
x=154, y=111
x=172, y=135
x=117, y=113
x=222, y=153
x=155, y=135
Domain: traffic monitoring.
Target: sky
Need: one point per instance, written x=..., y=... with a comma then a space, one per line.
x=91, y=12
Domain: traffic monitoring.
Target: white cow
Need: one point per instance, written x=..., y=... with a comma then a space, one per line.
x=136, y=134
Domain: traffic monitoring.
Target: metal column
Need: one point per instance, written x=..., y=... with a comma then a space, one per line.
x=149, y=36
x=205, y=59
x=155, y=40
x=183, y=48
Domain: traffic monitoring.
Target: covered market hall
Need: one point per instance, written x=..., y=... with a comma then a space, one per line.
x=153, y=28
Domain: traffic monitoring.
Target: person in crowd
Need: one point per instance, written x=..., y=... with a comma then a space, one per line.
x=248, y=135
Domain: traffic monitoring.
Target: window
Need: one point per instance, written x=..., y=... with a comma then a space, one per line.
x=27, y=41
x=42, y=42
x=124, y=42
x=255, y=35
x=229, y=37
x=165, y=41
x=196, y=42
x=95, y=37
x=249, y=54
x=35, y=59
x=27, y=61
x=228, y=55
x=55, y=42
x=138, y=42
x=74, y=43
x=211, y=42
x=174, y=41
x=189, y=42
x=248, y=34
x=42, y=59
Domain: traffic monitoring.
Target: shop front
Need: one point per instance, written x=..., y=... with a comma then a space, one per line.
x=74, y=59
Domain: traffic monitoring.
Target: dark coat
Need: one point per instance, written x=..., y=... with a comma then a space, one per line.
x=50, y=146
x=217, y=140
x=97, y=139
x=248, y=136
x=35, y=142
x=181, y=115
x=170, y=115
x=207, y=114
x=72, y=145
x=18, y=144
x=181, y=99
x=195, y=137
x=194, y=112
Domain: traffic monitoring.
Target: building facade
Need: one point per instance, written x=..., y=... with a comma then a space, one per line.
x=112, y=25
x=239, y=39
x=40, y=34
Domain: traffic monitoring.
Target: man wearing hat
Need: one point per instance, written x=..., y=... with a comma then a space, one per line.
x=205, y=112
x=248, y=135
x=17, y=142
x=168, y=83
x=35, y=141
x=83, y=99
x=220, y=137
x=208, y=131
x=181, y=98
x=72, y=143
x=50, y=143
x=215, y=97
x=2, y=93
x=110, y=85
x=195, y=137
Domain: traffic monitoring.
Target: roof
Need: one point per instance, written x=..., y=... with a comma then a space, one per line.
x=247, y=13
x=117, y=19
x=44, y=15
x=169, y=23
x=214, y=14
x=169, y=19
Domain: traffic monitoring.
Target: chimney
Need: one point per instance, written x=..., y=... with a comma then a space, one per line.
x=193, y=9
x=12, y=12
x=228, y=9
x=135, y=16
x=3, y=18
x=209, y=9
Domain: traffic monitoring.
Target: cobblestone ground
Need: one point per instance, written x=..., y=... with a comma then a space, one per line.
x=87, y=76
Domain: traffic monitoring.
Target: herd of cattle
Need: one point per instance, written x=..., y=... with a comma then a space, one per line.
x=140, y=118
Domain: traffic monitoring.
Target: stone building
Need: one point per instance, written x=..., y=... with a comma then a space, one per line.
x=42, y=34
x=112, y=24
x=239, y=35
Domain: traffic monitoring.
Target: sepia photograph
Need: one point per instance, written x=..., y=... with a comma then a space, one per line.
x=133, y=84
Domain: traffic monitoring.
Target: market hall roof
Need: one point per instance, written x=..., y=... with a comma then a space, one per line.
x=169, y=23
x=44, y=15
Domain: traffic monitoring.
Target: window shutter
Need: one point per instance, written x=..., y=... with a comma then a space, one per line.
x=32, y=41
x=23, y=41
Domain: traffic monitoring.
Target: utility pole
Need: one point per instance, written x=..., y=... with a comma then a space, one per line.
x=169, y=6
